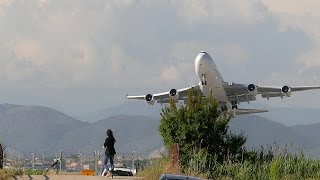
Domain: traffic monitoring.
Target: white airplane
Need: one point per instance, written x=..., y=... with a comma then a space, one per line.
x=229, y=95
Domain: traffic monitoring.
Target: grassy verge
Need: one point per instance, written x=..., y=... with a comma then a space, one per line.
x=34, y=172
x=157, y=168
x=280, y=167
x=9, y=173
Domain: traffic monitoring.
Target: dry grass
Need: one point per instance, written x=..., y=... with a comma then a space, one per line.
x=165, y=166
x=9, y=173
x=159, y=167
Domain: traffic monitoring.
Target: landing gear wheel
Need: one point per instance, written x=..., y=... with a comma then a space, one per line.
x=234, y=104
x=224, y=108
x=204, y=82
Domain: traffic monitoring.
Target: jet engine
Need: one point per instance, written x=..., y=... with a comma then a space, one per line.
x=252, y=89
x=286, y=91
x=174, y=94
x=149, y=98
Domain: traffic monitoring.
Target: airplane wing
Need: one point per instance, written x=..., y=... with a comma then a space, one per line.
x=243, y=92
x=249, y=111
x=179, y=94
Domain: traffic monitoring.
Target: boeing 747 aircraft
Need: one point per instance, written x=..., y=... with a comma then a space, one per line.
x=229, y=95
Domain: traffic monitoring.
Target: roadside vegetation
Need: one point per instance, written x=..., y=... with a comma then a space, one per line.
x=209, y=150
x=9, y=173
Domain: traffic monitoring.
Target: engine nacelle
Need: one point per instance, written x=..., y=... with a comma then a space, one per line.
x=252, y=89
x=149, y=98
x=286, y=91
x=174, y=94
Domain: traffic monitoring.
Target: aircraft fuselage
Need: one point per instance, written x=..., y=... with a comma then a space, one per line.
x=211, y=80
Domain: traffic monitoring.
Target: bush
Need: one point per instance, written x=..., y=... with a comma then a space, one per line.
x=200, y=126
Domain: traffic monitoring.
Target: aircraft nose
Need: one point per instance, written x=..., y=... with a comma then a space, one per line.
x=202, y=58
x=200, y=61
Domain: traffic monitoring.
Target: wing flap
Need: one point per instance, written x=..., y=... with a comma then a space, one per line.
x=249, y=111
x=242, y=98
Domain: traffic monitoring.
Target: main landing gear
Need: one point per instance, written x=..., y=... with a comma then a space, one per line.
x=223, y=107
x=203, y=80
x=234, y=104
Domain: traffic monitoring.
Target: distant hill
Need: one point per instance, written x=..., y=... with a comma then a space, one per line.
x=128, y=108
x=35, y=128
x=262, y=131
x=133, y=133
x=286, y=116
x=293, y=116
x=44, y=130
x=311, y=133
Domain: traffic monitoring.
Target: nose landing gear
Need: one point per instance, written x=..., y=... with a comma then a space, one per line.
x=203, y=80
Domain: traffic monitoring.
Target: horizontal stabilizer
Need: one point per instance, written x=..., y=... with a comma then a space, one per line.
x=249, y=111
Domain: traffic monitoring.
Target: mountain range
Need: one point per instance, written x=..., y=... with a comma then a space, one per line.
x=43, y=130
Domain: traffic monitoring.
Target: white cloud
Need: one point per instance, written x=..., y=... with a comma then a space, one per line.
x=224, y=12
x=129, y=45
x=6, y=3
x=170, y=73
x=302, y=16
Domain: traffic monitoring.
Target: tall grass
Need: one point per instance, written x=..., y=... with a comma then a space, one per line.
x=158, y=167
x=9, y=173
x=280, y=166
x=6, y=174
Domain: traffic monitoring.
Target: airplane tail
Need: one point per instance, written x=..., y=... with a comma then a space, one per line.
x=249, y=111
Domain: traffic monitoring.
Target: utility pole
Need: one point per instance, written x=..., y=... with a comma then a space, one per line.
x=96, y=159
x=80, y=156
x=133, y=161
x=60, y=160
x=33, y=161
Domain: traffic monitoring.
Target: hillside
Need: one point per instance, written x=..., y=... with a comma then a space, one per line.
x=35, y=129
x=262, y=131
x=128, y=108
x=44, y=130
x=286, y=116
x=133, y=133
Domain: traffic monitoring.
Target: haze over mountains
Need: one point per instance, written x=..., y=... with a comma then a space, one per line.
x=44, y=130
x=286, y=116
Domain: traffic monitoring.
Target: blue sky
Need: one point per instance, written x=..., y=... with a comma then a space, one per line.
x=79, y=56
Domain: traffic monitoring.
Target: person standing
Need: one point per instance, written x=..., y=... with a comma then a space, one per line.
x=109, y=153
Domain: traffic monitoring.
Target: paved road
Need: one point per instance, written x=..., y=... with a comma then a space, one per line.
x=73, y=177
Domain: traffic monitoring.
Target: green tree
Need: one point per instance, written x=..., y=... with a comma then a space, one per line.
x=199, y=125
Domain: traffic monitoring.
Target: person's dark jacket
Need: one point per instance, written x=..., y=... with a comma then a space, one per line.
x=109, y=145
